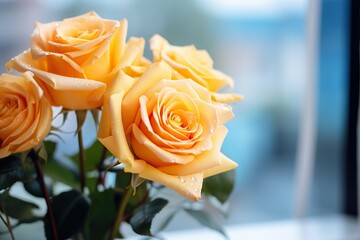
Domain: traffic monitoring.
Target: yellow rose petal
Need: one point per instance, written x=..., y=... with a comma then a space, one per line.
x=204, y=161
x=188, y=186
x=123, y=151
x=130, y=104
x=226, y=165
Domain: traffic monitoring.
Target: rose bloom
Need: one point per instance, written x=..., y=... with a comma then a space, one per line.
x=189, y=62
x=25, y=114
x=167, y=131
x=75, y=59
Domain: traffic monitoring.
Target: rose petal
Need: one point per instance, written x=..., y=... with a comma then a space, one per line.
x=224, y=112
x=31, y=120
x=121, y=84
x=204, y=161
x=226, y=165
x=188, y=186
x=130, y=104
x=123, y=152
x=147, y=150
x=69, y=92
x=226, y=97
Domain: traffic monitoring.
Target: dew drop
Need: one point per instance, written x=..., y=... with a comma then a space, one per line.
x=196, y=190
x=192, y=184
x=182, y=180
x=194, y=179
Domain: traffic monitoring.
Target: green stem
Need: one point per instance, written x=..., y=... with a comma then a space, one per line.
x=101, y=177
x=82, y=160
x=8, y=226
x=121, y=211
x=40, y=177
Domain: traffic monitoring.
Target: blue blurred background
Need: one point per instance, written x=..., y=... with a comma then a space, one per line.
x=262, y=45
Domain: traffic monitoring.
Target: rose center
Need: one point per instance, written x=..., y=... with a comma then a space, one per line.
x=177, y=120
x=7, y=106
x=79, y=32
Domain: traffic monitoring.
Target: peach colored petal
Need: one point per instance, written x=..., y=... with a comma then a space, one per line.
x=204, y=161
x=40, y=37
x=184, y=71
x=189, y=62
x=133, y=52
x=226, y=165
x=147, y=150
x=97, y=67
x=121, y=83
x=226, y=97
x=25, y=62
x=69, y=92
x=119, y=41
x=124, y=153
x=32, y=118
x=188, y=186
x=224, y=112
x=130, y=104
x=157, y=135
x=157, y=44
x=193, y=89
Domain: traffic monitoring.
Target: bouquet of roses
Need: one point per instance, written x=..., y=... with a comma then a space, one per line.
x=160, y=126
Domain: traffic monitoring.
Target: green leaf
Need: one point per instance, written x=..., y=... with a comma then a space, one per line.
x=70, y=210
x=163, y=223
x=93, y=156
x=50, y=147
x=138, y=197
x=206, y=220
x=102, y=215
x=220, y=186
x=64, y=171
x=12, y=169
x=16, y=207
x=91, y=183
x=143, y=216
x=122, y=179
x=33, y=187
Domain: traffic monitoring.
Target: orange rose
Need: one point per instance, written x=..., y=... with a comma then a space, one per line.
x=188, y=62
x=75, y=59
x=166, y=131
x=25, y=114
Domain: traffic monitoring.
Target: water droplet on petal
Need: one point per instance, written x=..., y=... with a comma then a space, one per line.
x=194, y=179
x=182, y=180
x=192, y=184
x=196, y=190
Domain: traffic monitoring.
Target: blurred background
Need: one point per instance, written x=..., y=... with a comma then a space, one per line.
x=262, y=44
